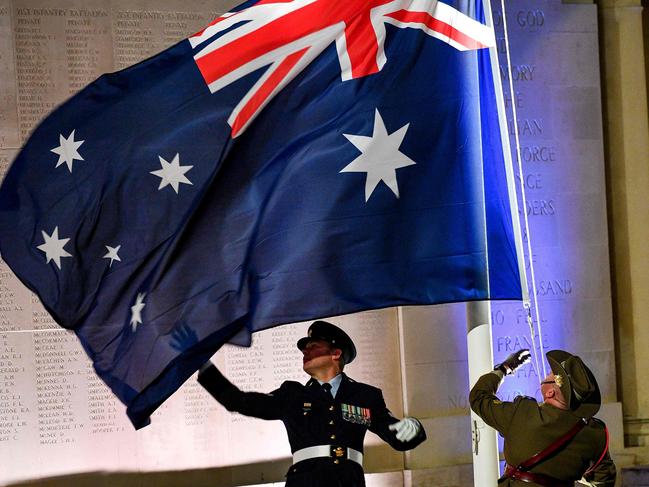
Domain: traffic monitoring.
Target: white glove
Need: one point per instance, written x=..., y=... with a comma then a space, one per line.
x=406, y=429
x=587, y=483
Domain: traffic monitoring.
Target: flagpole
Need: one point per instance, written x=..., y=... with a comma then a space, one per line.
x=480, y=360
x=483, y=438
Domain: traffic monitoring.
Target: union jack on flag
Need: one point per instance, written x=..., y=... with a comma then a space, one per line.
x=293, y=160
x=285, y=37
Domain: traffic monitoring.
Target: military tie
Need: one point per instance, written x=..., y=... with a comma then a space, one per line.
x=326, y=387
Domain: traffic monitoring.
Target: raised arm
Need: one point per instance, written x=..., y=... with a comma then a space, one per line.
x=483, y=399
x=256, y=404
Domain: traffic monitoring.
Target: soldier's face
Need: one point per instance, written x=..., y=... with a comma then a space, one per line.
x=317, y=354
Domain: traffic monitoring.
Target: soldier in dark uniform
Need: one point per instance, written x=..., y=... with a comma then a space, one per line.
x=327, y=418
x=557, y=442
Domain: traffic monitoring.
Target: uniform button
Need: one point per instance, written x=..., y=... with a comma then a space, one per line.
x=331, y=422
x=333, y=437
x=294, y=470
x=331, y=408
x=304, y=413
x=336, y=461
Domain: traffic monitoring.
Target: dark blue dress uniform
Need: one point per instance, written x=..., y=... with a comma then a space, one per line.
x=313, y=417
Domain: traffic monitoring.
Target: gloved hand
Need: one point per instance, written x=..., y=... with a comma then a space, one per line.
x=183, y=337
x=406, y=429
x=514, y=361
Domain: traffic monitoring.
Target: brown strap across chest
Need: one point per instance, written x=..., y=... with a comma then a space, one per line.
x=521, y=472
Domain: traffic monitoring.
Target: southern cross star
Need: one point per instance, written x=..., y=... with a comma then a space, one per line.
x=67, y=150
x=380, y=156
x=112, y=254
x=172, y=173
x=53, y=247
x=136, y=311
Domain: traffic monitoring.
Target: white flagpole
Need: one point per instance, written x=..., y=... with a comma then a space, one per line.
x=484, y=440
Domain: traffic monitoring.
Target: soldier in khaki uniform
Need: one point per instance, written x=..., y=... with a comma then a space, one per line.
x=557, y=442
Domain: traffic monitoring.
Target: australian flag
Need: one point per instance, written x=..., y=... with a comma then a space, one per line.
x=293, y=160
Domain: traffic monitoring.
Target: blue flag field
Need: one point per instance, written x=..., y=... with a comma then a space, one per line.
x=293, y=160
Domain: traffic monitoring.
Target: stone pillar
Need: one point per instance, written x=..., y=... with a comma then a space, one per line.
x=626, y=132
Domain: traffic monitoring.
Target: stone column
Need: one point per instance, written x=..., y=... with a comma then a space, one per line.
x=626, y=133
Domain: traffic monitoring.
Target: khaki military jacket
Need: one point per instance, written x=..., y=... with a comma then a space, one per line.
x=529, y=427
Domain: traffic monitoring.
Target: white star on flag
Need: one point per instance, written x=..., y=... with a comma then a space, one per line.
x=172, y=173
x=380, y=156
x=67, y=150
x=112, y=254
x=53, y=247
x=136, y=311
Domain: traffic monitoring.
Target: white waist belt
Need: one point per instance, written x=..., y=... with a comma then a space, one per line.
x=328, y=451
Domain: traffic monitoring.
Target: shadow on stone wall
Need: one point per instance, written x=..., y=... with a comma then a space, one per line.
x=379, y=458
x=257, y=473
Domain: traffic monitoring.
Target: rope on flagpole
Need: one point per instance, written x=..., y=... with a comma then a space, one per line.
x=526, y=302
